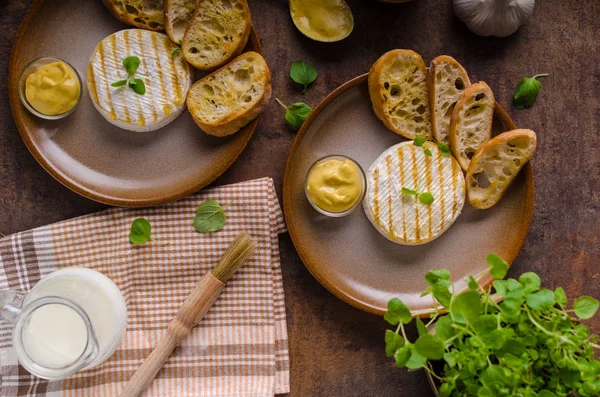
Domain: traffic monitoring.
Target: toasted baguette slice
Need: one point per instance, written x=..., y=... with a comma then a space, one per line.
x=447, y=81
x=218, y=32
x=496, y=164
x=145, y=14
x=228, y=99
x=398, y=90
x=178, y=13
x=471, y=122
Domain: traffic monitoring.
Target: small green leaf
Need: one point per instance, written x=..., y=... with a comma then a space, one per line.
x=430, y=347
x=416, y=361
x=527, y=91
x=393, y=342
x=176, y=51
x=426, y=198
x=303, y=74
x=498, y=266
x=408, y=192
x=210, y=217
x=530, y=282
x=402, y=356
x=428, y=152
x=131, y=63
x=440, y=291
x=585, y=307
x=140, y=231
x=397, y=312
x=501, y=287
x=432, y=276
x=443, y=328
x=296, y=114
x=445, y=149
x=468, y=305
x=138, y=86
x=421, y=327
x=119, y=83
x=473, y=284
x=419, y=141
x=560, y=296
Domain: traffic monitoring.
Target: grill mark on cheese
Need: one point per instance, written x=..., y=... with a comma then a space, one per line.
x=176, y=89
x=376, y=197
x=442, y=193
x=428, y=181
x=113, y=40
x=92, y=78
x=401, y=168
x=454, y=188
x=416, y=182
x=388, y=166
x=111, y=110
x=166, y=106
x=149, y=87
x=178, y=93
x=142, y=120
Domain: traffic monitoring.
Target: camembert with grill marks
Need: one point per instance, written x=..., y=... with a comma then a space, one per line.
x=167, y=79
x=403, y=218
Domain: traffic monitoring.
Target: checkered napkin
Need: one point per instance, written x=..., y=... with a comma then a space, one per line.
x=240, y=347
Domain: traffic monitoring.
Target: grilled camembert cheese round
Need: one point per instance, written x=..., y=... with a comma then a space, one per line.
x=167, y=78
x=401, y=216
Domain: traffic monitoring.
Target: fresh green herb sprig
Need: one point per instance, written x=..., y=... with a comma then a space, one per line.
x=303, y=74
x=527, y=91
x=419, y=141
x=131, y=64
x=295, y=114
x=519, y=341
x=424, y=197
x=141, y=232
x=210, y=217
x=445, y=149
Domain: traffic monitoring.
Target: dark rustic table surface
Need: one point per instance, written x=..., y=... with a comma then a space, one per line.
x=335, y=349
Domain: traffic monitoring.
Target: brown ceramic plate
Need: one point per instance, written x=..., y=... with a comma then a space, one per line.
x=348, y=255
x=91, y=156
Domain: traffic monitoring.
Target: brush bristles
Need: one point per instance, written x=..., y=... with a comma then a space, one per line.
x=237, y=253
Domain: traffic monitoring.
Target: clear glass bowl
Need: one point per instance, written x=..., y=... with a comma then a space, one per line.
x=363, y=180
x=29, y=70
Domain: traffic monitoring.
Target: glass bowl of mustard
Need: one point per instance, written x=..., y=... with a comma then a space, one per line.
x=50, y=88
x=335, y=185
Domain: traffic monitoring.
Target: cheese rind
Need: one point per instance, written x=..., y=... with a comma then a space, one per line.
x=402, y=218
x=167, y=79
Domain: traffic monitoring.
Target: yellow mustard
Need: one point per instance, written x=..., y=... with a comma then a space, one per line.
x=335, y=185
x=322, y=20
x=53, y=88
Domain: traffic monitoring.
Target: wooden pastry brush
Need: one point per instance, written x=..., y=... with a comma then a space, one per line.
x=196, y=305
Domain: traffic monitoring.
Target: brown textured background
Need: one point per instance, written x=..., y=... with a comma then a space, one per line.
x=337, y=350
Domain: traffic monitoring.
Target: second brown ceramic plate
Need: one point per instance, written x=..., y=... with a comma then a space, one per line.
x=348, y=255
x=88, y=154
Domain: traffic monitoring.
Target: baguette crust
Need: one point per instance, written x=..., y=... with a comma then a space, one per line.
x=496, y=164
x=222, y=112
x=471, y=122
x=217, y=33
x=447, y=81
x=149, y=14
x=398, y=91
x=178, y=14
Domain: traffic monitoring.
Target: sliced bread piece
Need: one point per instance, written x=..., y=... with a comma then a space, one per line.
x=178, y=14
x=218, y=32
x=398, y=90
x=228, y=99
x=145, y=14
x=496, y=164
x=447, y=81
x=471, y=122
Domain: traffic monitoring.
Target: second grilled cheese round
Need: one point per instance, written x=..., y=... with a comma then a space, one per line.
x=401, y=217
x=167, y=78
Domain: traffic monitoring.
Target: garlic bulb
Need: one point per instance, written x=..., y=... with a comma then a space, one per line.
x=498, y=18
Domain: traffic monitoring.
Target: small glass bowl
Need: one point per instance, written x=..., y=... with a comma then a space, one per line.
x=363, y=180
x=29, y=70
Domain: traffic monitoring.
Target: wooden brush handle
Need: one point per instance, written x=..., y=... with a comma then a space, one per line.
x=198, y=302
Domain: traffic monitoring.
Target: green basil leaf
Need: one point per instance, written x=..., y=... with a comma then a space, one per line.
x=444, y=329
x=498, y=266
x=131, y=63
x=432, y=276
x=295, y=114
x=408, y=191
x=527, y=91
x=210, y=217
x=393, y=342
x=468, y=305
x=138, y=86
x=430, y=346
x=428, y=152
x=561, y=297
x=303, y=74
x=421, y=327
x=402, y=356
x=119, y=83
x=419, y=141
x=445, y=149
x=585, y=307
x=397, y=312
x=426, y=198
x=140, y=231
x=530, y=282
